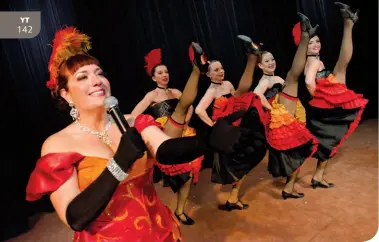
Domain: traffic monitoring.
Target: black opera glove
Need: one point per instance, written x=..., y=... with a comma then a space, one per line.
x=130, y=149
x=91, y=202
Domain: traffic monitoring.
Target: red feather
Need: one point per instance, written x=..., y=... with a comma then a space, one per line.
x=153, y=59
x=67, y=42
x=296, y=32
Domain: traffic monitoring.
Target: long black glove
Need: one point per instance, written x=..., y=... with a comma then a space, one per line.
x=222, y=137
x=90, y=203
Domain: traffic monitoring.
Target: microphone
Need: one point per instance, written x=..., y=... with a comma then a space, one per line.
x=111, y=105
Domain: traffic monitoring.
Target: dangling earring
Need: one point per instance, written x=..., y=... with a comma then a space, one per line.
x=74, y=112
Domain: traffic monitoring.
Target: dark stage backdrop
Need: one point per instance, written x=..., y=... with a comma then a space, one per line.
x=123, y=32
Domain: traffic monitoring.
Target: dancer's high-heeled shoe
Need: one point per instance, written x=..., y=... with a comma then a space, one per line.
x=316, y=184
x=286, y=195
x=250, y=46
x=235, y=206
x=306, y=25
x=199, y=59
x=346, y=12
x=188, y=221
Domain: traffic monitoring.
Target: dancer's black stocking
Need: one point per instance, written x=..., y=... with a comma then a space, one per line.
x=346, y=50
x=318, y=178
x=175, y=129
x=298, y=64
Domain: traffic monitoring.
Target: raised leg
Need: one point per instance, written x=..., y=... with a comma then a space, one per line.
x=187, y=98
x=252, y=51
x=298, y=64
x=346, y=51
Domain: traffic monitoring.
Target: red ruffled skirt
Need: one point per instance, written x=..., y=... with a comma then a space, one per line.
x=225, y=106
x=290, y=142
x=179, y=169
x=334, y=113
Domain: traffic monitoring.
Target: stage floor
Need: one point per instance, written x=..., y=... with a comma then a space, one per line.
x=348, y=212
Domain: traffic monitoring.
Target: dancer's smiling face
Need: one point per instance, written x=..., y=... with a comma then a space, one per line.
x=161, y=75
x=216, y=71
x=314, y=46
x=267, y=63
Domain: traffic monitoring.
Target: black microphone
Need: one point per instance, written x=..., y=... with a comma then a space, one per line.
x=111, y=105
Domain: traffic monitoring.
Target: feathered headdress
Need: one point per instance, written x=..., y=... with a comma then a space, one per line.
x=296, y=33
x=152, y=59
x=67, y=43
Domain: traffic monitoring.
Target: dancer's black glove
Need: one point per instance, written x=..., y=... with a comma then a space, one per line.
x=91, y=202
x=130, y=149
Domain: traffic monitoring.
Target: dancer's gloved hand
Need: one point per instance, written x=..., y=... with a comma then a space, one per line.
x=224, y=136
x=90, y=203
x=130, y=149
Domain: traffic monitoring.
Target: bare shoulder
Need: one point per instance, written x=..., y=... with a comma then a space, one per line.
x=151, y=95
x=263, y=82
x=229, y=83
x=176, y=93
x=57, y=142
x=312, y=64
x=211, y=90
x=278, y=79
x=322, y=64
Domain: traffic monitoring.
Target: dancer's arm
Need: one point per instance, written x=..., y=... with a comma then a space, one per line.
x=144, y=103
x=78, y=209
x=260, y=91
x=201, y=109
x=231, y=87
x=310, y=73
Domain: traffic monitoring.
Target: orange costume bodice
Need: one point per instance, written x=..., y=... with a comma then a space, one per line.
x=134, y=213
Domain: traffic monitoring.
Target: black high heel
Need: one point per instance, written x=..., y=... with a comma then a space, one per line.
x=346, y=12
x=316, y=184
x=250, y=46
x=234, y=206
x=306, y=26
x=199, y=57
x=189, y=221
x=286, y=195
